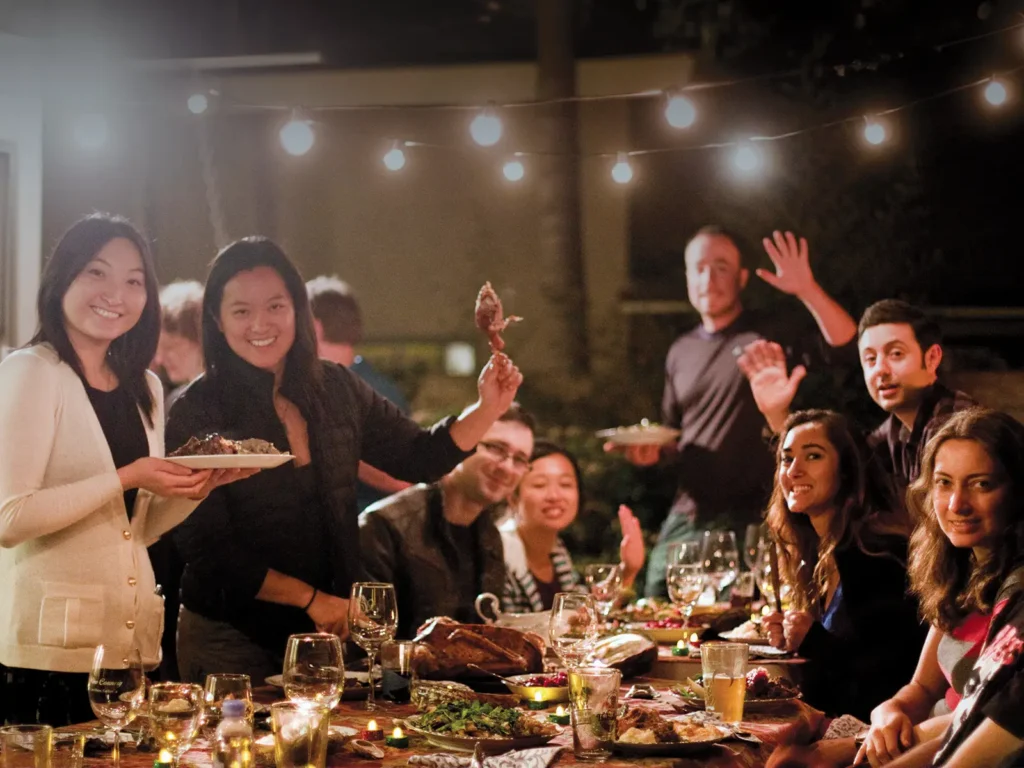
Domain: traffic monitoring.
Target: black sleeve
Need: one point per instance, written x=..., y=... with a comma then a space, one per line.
x=1006, y=708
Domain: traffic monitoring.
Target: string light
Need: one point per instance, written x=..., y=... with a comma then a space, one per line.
x=680, y=112
x=995, y=93
x=90, y=131
x=622, y=171
x=394, y=160
x=514, y=170
x=874, y=132
x=198, y=103
x=297, y=136
x=747, y=159
x=486, y=128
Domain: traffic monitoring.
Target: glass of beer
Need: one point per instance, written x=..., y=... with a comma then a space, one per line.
x=725, y=679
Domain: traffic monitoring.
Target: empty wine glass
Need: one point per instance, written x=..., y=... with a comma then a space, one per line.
x=314, y=669
x=685, y=552
x=572, y=627
x=175, y=711
x=686, y=584
x=117, y=689
x=752, y=539
x=221, y=687
x=721, y=559
x=372, y=620
x=605, y=583
x=765, y=582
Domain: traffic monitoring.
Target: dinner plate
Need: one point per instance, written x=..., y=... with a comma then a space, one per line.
x=349, y=692
x=667, y=750
x=233, y=460
x=468, y=744
x=667, y=634
x=550, y=694
x=758, y=641
x=640, y=434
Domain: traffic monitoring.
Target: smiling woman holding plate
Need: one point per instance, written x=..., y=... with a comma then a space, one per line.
x=271, y=556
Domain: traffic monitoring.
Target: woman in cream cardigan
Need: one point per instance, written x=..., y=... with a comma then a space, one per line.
x=82, y=488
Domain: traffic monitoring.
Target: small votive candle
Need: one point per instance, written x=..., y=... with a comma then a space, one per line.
x=164, y=760
x=680, y=649
x=373, y=732
x=538, y=702
x=397, y=739
x=694, y=644
x=561, y=717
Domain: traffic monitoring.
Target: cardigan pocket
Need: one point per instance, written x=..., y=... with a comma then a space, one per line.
x=150, y=626
x=71, y=615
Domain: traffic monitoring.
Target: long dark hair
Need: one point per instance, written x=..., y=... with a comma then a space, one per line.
x=130, y=353
x=951, y=583
x=303, y=371
x=864, y=511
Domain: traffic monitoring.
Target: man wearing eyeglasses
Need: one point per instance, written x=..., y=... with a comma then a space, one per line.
x=438, y=544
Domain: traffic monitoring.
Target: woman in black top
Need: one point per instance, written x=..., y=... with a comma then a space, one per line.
x=844, y=555
x=277, y=554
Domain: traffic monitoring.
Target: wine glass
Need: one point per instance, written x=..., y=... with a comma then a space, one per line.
x=117, y=689
x=572, y=627
x=752, y=539
x=686, y=584
x=685, y=553
x=314, y=669
x=219, y=688
x=721, y=559
x=605, y=583
x=372, y=620
x=763, y=577
x=175, y=711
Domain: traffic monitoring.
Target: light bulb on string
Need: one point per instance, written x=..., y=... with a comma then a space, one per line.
x=514, y=170
x=995, y=93
x=198, y=103
x=297, y=136
x=874, y=132
x=622, y=171
x=394, y=159
x=747, y=159
x=90, y=131
x=486, y=128
x=680, y=112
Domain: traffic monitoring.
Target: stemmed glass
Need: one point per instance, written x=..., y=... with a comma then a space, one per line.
x=752, y=542
x=117, y=689
x=572, y=627
x=721, y=559
x=219, y=688
x=763, y=576
x=372, y=620
x=685, y=553
x=314, y=669
x=686, y=584
x=605, y=583
x=175, y=710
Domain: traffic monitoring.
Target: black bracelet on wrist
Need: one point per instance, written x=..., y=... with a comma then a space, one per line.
x=311, y=599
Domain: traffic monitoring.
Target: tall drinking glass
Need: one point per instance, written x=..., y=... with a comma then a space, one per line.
x=372, y=620
x=721, y=559
x=725, y=679
x=26, y=746
x=605, y=583
x=686, y=584
x=301, y=732
x=175, y=711
x=572, y=627
x=314, y=669
x=593, y=710
x=117, y=689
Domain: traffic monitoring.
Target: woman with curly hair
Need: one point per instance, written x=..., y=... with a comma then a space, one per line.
x=843, y=549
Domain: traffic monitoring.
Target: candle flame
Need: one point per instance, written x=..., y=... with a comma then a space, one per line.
x=537, y=696
x=560, y=712
x=765, y=610
x=693, y=638
x=166, y=756
x=372, y=725
x=397, y=733
x=681, y=644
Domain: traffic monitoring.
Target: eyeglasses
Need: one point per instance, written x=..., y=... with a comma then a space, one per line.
x=500, y=453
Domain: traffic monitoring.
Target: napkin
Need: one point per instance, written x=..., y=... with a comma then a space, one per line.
x=541, y=757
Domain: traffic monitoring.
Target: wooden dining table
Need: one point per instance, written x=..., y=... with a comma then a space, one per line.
x=769, y=726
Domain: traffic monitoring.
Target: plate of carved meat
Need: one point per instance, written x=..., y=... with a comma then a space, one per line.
x=218, y=452
x=644, y=433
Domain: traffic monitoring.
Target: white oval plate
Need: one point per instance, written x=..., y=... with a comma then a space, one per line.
x=233, y=461
x=639, y=434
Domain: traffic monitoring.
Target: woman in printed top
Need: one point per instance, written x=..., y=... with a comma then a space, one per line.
x=83, y=487
x=843, y=550
x=548, y=499
x=278, y=554
x=966, y=562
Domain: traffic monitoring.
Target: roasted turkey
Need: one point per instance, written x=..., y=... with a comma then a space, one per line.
x=448, y=649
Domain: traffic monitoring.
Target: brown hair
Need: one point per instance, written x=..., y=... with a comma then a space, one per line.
x=335, y=306
x=181, y=309
x=864, y=512
x=951, y=583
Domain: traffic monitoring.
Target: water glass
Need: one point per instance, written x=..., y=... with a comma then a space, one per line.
x=604, y=580
x=26, y=746
x=684, y=553
x=314, y=669
x=372, y=620
x=593, y=710
x=219, y=688
x=725, y=679
x=685, y=584
x=572, y=627
x=397, y=670
x=175, y=710
x=301, y=732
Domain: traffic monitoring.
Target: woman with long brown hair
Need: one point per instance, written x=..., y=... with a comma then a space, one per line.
x=843, y=551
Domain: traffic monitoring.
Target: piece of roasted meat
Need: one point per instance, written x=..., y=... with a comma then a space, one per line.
x=218, y=445
x=490, y=317
x=448, y=649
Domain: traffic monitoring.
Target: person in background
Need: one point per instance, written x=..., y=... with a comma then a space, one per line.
x=179, y=353
x=707, y=397
x=438, y=544
x=338, y=322
x=843, y=550
x=278, y=554
x=83, y=487
x=547, y=501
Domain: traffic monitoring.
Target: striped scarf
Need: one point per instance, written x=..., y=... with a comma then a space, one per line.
x=521, y=595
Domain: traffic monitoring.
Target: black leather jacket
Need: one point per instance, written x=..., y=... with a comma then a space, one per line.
x=272, y=520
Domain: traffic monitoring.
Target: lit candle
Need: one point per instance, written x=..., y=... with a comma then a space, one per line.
x=694, y=644
x=680, y=649
x=165, y=760
x=765, y=609
x=397, y=739
x=561, y=717
x=538, y=701
x=373, y=732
